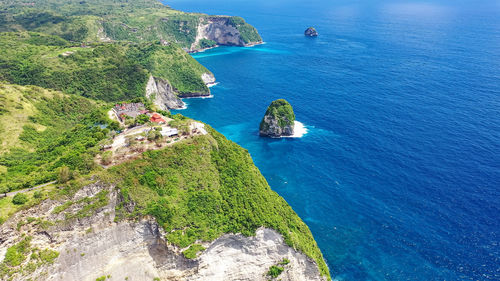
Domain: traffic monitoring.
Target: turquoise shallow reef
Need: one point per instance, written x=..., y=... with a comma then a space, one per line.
x=398, y=176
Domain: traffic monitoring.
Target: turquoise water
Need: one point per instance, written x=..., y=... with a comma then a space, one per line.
x=398, y=176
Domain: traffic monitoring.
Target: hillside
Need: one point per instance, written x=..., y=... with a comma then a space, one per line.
x=104, y=71
x=42, y=130
x=122, y=20
x=197, y=189
x=131, y=190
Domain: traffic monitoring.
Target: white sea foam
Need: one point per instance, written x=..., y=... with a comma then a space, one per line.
x=299, y=130
x=210, y=85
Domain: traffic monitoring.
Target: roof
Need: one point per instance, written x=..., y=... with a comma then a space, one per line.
x=157, y=118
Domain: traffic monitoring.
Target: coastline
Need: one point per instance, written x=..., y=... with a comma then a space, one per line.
x=249, y=45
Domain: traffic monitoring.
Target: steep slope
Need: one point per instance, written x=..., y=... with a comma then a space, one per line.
x=104, y=71
x=132, y=21
x=197, y=191
x=42, y=130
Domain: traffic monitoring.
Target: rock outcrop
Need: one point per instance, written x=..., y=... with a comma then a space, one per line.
x=162, y=94
x=278, y=121
x=311, y=32
x=223, y=31
x=208, y=79
x=96, y=244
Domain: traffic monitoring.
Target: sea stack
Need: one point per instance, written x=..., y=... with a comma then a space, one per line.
x=311, y=32
x=278, y=121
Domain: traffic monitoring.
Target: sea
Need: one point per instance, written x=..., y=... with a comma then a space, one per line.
x=397, y=169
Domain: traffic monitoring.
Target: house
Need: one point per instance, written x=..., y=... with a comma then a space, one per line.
x=129, y=109
x=157, y=118
x=169, y=132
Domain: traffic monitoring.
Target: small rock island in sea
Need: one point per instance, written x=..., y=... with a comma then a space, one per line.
x=278, y=121
x=311, y=32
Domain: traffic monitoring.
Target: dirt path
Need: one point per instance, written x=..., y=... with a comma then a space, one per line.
x=27, y=189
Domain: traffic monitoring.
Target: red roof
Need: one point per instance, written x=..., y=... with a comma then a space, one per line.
x=156, y=118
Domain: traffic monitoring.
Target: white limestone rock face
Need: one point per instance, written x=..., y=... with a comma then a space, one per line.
x=162, y=94
x=208, y=78
x=96, y=246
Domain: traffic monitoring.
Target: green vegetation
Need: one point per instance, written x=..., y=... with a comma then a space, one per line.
x=55, y=93
x=204, y=187
x=285, y=261
x=102, y=278
x=46, y=256
x=120, y=20
x=192, y=251
x=206, y=43
x=20, y=199
x=16, y=254
x=247, y=32
x=275, y=271
x=104, y=71
x=59, y=130
x=282, y=111
x=7, y=208
x=173, y=64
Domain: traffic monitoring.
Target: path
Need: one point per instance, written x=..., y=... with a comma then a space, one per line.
x=27, y=189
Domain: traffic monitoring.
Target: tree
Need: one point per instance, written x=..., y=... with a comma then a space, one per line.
x=3, y=190
x=20, y=199
x=64, y=174
x=142, y=119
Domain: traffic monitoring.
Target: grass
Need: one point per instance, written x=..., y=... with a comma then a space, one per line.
x=32, y=156
x=7, y=208
x=15, y=111
x=192, y=251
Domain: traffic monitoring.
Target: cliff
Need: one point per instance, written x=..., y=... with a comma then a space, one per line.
x=93, y=246
x=104, y=71
x=161, y=93
x=197, y=210
x=222, y=30
x=278, y=121
x=122, y=20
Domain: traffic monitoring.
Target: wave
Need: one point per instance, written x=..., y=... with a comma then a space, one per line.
x=299, y=130
x=210, y=85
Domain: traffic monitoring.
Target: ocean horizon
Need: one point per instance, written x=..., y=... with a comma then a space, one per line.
x=397, y=172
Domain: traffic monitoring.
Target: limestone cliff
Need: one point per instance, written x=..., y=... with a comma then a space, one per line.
x=90, y=244
x=278, y=121
x=162, y=94
x=222, y=30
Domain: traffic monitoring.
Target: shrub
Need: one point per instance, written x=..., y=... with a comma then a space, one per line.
x=20, y=199
x=17, y=254
x=64, y=174
x=192, y=251
x=38, y=194
x=107, y=157
x=48, y=256
x=275, y=271
x=285, y=261
x=142, y=119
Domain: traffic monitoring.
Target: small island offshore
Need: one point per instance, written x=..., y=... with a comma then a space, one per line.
x=279, y=120
x=311, y=32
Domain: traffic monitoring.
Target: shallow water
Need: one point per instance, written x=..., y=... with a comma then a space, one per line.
x=398, y=176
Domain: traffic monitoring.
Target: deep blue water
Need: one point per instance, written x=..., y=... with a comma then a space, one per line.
x=399, y=175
